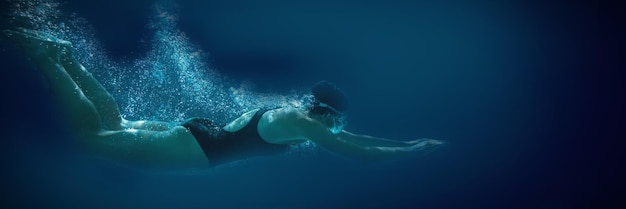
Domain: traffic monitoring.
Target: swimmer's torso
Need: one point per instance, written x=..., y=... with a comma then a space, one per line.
x=255, y=133
x=275, y=126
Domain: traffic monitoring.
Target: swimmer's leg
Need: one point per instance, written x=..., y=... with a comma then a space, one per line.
x=92, y=89
x=102, y=100
x=104, y=103
x=45, y=54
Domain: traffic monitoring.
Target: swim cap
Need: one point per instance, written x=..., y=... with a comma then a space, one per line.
x=329, y=98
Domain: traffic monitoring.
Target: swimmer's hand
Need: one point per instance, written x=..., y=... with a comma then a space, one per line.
x=424, y=144
x=419, y=146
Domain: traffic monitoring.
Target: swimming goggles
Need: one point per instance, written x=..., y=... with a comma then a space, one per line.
x=321, y=104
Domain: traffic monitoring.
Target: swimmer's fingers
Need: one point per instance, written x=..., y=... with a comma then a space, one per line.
x=425, y=141
x=425, y=144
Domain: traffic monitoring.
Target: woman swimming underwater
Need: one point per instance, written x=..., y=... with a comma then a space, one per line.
x=95, y=117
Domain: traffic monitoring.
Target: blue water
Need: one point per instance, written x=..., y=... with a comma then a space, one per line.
x=505, y=84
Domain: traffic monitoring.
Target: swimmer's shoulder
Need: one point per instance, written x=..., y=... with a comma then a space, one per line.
x=240, y=122
x=284, y=112
x=269, y=116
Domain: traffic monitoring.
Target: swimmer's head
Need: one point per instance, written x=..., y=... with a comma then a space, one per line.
x=329, y=105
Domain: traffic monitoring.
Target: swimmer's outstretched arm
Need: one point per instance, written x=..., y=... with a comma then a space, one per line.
x=362, y=147
x=372, y=148
x=371, y=141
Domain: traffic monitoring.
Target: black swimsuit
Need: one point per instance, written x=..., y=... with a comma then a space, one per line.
x=221, y=146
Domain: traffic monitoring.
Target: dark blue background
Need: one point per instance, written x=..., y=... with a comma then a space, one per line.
x=528, y=95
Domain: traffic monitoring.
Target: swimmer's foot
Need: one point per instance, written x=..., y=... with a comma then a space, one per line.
x=39, y=45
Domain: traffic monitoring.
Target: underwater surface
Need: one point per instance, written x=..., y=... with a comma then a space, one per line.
x=517, y=89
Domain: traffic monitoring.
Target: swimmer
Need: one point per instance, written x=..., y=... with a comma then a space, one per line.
x=198, y=142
